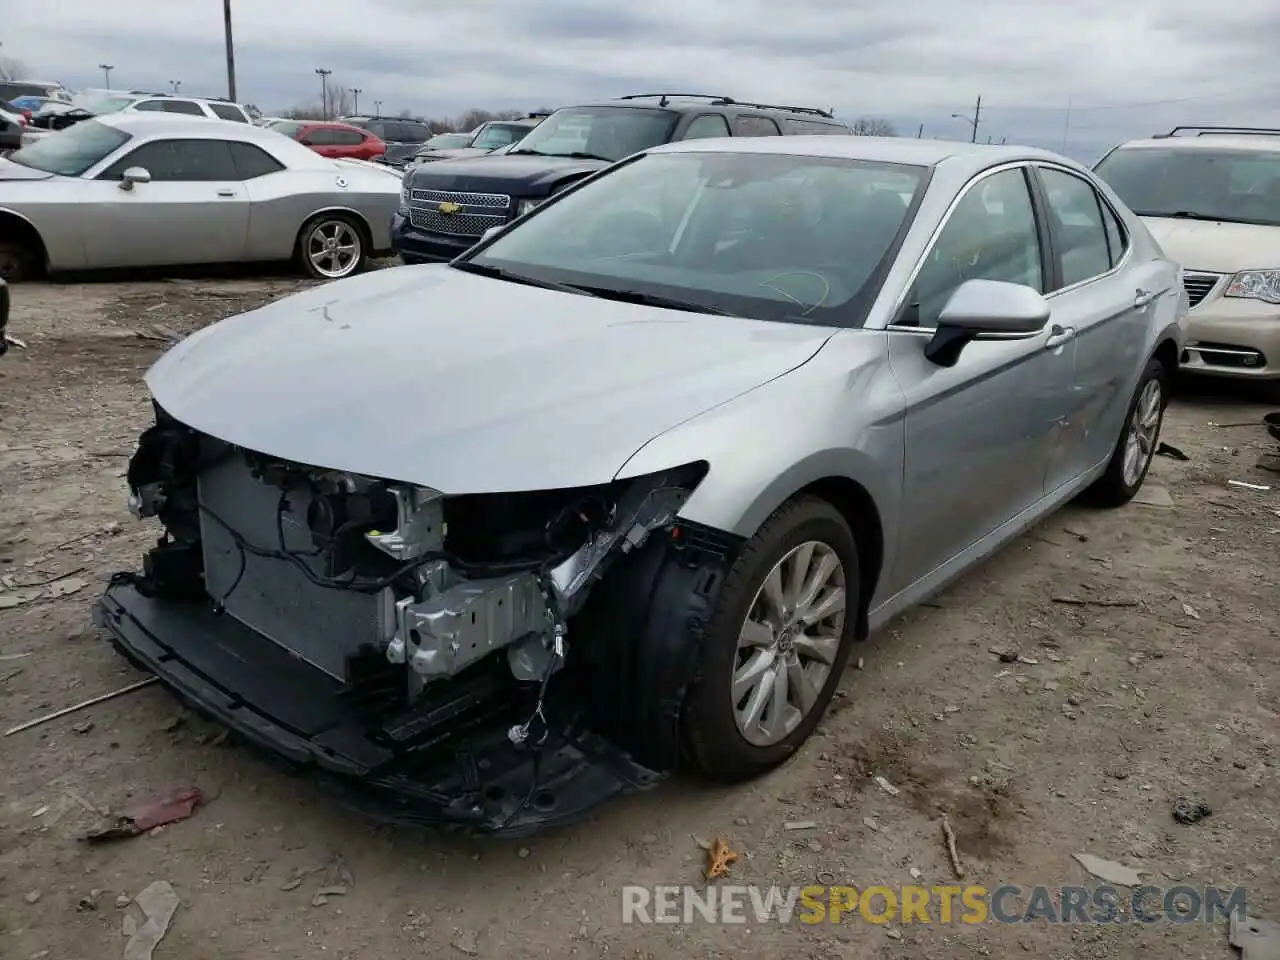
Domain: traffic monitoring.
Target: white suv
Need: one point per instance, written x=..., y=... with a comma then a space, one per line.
x=192, y=107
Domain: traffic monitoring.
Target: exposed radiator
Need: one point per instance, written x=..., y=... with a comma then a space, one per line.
x=323, y=626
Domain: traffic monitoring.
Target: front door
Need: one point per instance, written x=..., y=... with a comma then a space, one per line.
x=194, y=210
x=978, y=434
x=1107, y=301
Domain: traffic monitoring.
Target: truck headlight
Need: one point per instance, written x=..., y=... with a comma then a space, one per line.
x=1261, y=285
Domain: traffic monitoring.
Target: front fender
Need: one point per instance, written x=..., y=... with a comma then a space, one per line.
x=839, y=415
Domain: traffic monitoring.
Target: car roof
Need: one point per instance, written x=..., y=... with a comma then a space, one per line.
x=1209, y=141
x=190, y=127
x=906, y=150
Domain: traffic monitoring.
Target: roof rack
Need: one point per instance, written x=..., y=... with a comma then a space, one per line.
x=729, y=101
x=1211, y=130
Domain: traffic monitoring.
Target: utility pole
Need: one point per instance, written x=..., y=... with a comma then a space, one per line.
x=323, y=74
x=920, y=131
x=231, y=50
x=1066, y=126
x=355, y=98
x=106, y=69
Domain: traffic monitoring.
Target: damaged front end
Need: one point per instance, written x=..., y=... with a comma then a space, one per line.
x=500, y=662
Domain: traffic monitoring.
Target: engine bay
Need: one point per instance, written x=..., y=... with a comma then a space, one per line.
x=433, y=614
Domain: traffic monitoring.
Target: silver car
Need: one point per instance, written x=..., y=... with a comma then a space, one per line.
x=621, y=488
x=140, y=190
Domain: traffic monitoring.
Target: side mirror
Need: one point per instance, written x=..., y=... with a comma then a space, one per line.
x=306, y=142
x=134, y=175
x=985, y=310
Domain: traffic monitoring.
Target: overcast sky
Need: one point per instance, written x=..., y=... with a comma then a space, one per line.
x=1127, y=68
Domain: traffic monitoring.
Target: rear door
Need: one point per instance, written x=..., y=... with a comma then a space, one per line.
x=194, y=210
x=1106, y=299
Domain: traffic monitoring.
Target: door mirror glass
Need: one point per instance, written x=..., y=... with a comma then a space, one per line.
x=134, y=175
x=982, y=310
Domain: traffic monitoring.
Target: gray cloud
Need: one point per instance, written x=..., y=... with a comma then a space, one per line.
x=1126, y=69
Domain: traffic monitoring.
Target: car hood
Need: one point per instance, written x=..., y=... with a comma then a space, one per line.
x=16, y=171
x=431, y=376
x=515, y=174
x=1216, y=246
x=455, y=153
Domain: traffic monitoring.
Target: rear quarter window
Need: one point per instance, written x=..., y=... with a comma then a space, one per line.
x=226, y=111
x=754, y=126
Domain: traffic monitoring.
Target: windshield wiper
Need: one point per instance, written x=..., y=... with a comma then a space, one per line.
x=1181, y=215
x=498, y=273
x=576, y=155
x=653, y=300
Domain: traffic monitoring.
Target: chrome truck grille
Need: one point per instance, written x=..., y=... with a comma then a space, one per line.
x=1198, y=285
x=320, y=625
x=458, y=214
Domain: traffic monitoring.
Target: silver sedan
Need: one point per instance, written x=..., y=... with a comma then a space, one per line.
x=623, y=486
x=131, y=190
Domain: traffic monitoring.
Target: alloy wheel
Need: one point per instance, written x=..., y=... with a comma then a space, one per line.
x=1144, y=428
x=333, y=247
x=788, y=643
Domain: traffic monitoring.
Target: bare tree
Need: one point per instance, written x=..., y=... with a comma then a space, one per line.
x=11, y=69
x=871, y=127
x=341, y=104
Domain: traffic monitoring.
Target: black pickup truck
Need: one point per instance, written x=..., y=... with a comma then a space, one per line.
x=445, y=207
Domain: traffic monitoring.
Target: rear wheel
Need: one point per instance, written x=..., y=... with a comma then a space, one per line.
x=1137, y=443
x=17, y=261
x=331, y=246
x=777, y=645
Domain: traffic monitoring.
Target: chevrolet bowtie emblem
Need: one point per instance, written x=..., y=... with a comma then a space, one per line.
x=449, y=207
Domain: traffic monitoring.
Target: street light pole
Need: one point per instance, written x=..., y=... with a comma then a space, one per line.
x=355, y=96
x=106, y=69
x=377, y=107
x=972, y=121
x=175, y=86
x=323, y=74
x=231, y=50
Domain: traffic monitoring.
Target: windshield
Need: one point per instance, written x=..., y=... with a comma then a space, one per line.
x=290, y=128
x=72, y=151
x=771, y=237
x=494, y=135
x=1237, y=185
x=447, y=141
x=107, y=104
x=609, y=133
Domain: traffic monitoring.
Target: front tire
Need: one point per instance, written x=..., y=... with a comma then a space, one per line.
x=1136, y=446
x=331, y=246
x=776, y=647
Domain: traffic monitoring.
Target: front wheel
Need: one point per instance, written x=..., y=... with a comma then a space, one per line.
x=777, y=645
x=1136, y=446
x=331, y=246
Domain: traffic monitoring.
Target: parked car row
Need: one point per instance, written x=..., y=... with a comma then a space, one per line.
x=618, y=490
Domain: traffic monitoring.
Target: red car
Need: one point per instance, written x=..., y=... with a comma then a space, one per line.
x=333, y=139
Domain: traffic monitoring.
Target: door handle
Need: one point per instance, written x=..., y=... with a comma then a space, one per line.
x=1143, y=297
x=226, y=193
x=1058, y=336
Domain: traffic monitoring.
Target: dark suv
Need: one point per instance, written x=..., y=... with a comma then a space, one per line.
x=403, y=137
x=446, y=207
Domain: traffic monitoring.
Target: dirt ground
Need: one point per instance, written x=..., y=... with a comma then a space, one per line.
x=1081, y=747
